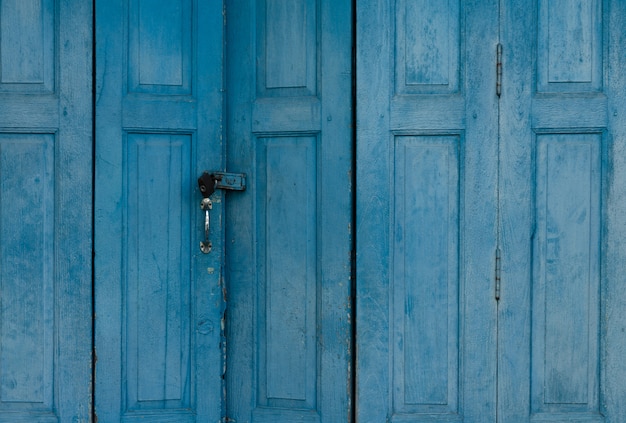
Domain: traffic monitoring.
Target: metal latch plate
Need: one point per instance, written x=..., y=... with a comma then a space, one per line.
x=230, y=181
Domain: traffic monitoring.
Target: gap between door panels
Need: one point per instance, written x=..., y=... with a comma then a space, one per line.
x=94, y=357
x=498, y=255
x=353, y=299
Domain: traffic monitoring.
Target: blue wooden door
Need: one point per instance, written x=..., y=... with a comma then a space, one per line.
x=158, y=298
x=427, y=148
x=490, y=255
x=45, y=211
x=562, y=136
x=288, y=236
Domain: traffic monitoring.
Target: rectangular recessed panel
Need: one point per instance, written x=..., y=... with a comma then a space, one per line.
x=566, y=302
x=570, y=45
x=425, y=283
x=26, y=271
x=288, y=47
x=158, y=279
x=288, y=272
x=160, y=46
x=427, y=46
x=27, y=45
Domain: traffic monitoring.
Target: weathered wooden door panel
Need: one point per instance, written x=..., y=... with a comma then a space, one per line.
x=158, y=126
x=562, y=125
x=288, y=235
x=45, y=211
x=426, y=211
x=554, y=133
x=447, y=173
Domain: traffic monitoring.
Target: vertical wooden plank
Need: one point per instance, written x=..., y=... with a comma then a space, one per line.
x=289, y=233
x=107, y=273
x=288, y=243
x=374, y=40
x=160, y=46
x=566, y=278
x=570, y=25
x=464, y=109
x=284, y=33
x=287, y=34
x=46, y=171
x=74, y=194
x=27, y=45
x=426, y=278
x=427, y=46
x=554, y=177
x=515, y=203
x=26, y=276
x=569, y=45
x=157, y=309
x=613, y=292
x=159, y=301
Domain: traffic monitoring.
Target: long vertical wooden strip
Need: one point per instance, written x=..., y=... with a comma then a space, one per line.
x=374, y=40
x=420, y=77
x=613, y=292
x=159, y=300
x=289, y=82
x=74, y=239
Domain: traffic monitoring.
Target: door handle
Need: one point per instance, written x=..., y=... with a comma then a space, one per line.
x=206, y=205
x=208, y=183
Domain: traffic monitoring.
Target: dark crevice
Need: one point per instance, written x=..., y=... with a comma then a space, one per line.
x=353, y=375
x=94, y=416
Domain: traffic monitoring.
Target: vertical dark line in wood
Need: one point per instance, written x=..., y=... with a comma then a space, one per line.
x=353, y=299
x=499, y=71
x=94, y=358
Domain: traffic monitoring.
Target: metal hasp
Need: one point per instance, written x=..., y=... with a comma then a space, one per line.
x=230, y=181
x=208, y=183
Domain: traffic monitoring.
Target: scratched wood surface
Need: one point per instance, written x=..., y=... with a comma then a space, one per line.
x=554, y=138
x=45, y=211
x=288, y=236
x=158, y=126
x=426, y=235
x=562, y=207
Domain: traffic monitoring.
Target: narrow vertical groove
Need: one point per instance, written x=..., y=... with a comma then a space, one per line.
x=499, y=71
x=353, y=299
x=94, y=357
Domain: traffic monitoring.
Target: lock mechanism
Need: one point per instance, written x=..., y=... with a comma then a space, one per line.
x=208, y=183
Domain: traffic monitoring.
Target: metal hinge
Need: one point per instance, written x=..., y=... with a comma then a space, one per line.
x=498, y=267
x=499, y=70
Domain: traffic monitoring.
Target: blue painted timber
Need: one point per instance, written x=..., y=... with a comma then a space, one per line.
x=562, y=139
x=461, y=173
x=448, y=172
x=426, y=211
x=289, y=235
x=45, y=211
x=158, y=124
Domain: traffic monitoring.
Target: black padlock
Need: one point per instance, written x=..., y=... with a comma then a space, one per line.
x=207, y=183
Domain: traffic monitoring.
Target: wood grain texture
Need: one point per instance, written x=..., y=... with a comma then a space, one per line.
x=46, y=172
x=289, y=234
x=555, y=173
x=569, y=42
x=425, y=310
x=407, y=272
x=27, y=46
x=26, y=275
x=159, y=302
x=613, y=284
x=427, y=46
